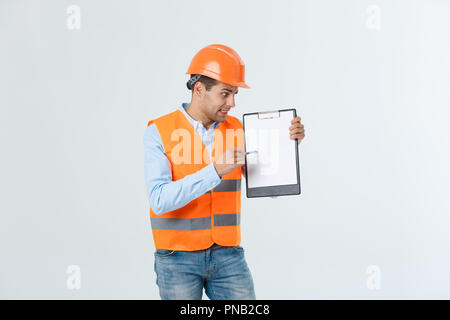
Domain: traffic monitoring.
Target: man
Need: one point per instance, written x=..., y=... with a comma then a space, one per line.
x=193, y=176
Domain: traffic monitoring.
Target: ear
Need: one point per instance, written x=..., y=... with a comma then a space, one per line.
x=198, y=89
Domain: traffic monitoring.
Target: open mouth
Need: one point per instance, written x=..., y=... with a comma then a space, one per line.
x=223, y=112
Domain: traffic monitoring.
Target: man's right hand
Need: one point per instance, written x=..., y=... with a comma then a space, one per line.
x=230, y=160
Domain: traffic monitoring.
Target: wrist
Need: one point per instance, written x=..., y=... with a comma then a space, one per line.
x=214, y=165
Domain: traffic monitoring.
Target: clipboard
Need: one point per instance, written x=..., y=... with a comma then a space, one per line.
x=271, y=159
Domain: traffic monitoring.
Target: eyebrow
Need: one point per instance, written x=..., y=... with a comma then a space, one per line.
x=230, y=90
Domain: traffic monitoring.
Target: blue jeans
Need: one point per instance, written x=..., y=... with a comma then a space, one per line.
x=222, y=271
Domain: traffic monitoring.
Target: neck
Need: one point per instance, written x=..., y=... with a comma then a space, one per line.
x=194, y=110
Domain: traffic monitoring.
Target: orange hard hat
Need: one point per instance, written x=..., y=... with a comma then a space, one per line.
x=218, y=62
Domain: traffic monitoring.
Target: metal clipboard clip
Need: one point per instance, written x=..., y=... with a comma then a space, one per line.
x=268, y=114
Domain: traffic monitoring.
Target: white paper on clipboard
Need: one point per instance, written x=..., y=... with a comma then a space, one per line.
x=275, y=162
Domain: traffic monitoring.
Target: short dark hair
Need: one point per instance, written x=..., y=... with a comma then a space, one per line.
x=207, y=81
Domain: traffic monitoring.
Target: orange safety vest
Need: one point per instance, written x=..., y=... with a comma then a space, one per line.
x=214, y=217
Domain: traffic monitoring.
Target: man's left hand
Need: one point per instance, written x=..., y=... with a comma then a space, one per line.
x=297, y=130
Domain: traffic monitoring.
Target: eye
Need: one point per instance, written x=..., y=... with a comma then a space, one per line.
x=225, y=94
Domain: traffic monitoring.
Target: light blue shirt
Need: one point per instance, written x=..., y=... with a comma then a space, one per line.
x=165, y=195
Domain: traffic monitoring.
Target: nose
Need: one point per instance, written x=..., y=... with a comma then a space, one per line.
x=230, y=101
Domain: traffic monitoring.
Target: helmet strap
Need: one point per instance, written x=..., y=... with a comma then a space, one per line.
x=192, y=81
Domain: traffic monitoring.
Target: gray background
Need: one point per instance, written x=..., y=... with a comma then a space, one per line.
x=374, y=163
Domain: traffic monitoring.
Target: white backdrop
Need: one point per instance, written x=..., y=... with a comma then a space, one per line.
x=370, y=80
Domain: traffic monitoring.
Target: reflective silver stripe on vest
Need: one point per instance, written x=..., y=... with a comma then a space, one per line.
x=220, y=220
x=227, y=185
x=226, y=220
x=181, y=224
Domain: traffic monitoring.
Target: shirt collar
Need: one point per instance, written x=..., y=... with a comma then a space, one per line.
x=194, y=122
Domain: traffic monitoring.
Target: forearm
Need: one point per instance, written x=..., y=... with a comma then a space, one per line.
x=168, y=196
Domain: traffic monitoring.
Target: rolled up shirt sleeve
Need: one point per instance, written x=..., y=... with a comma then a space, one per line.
x=165, y=195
